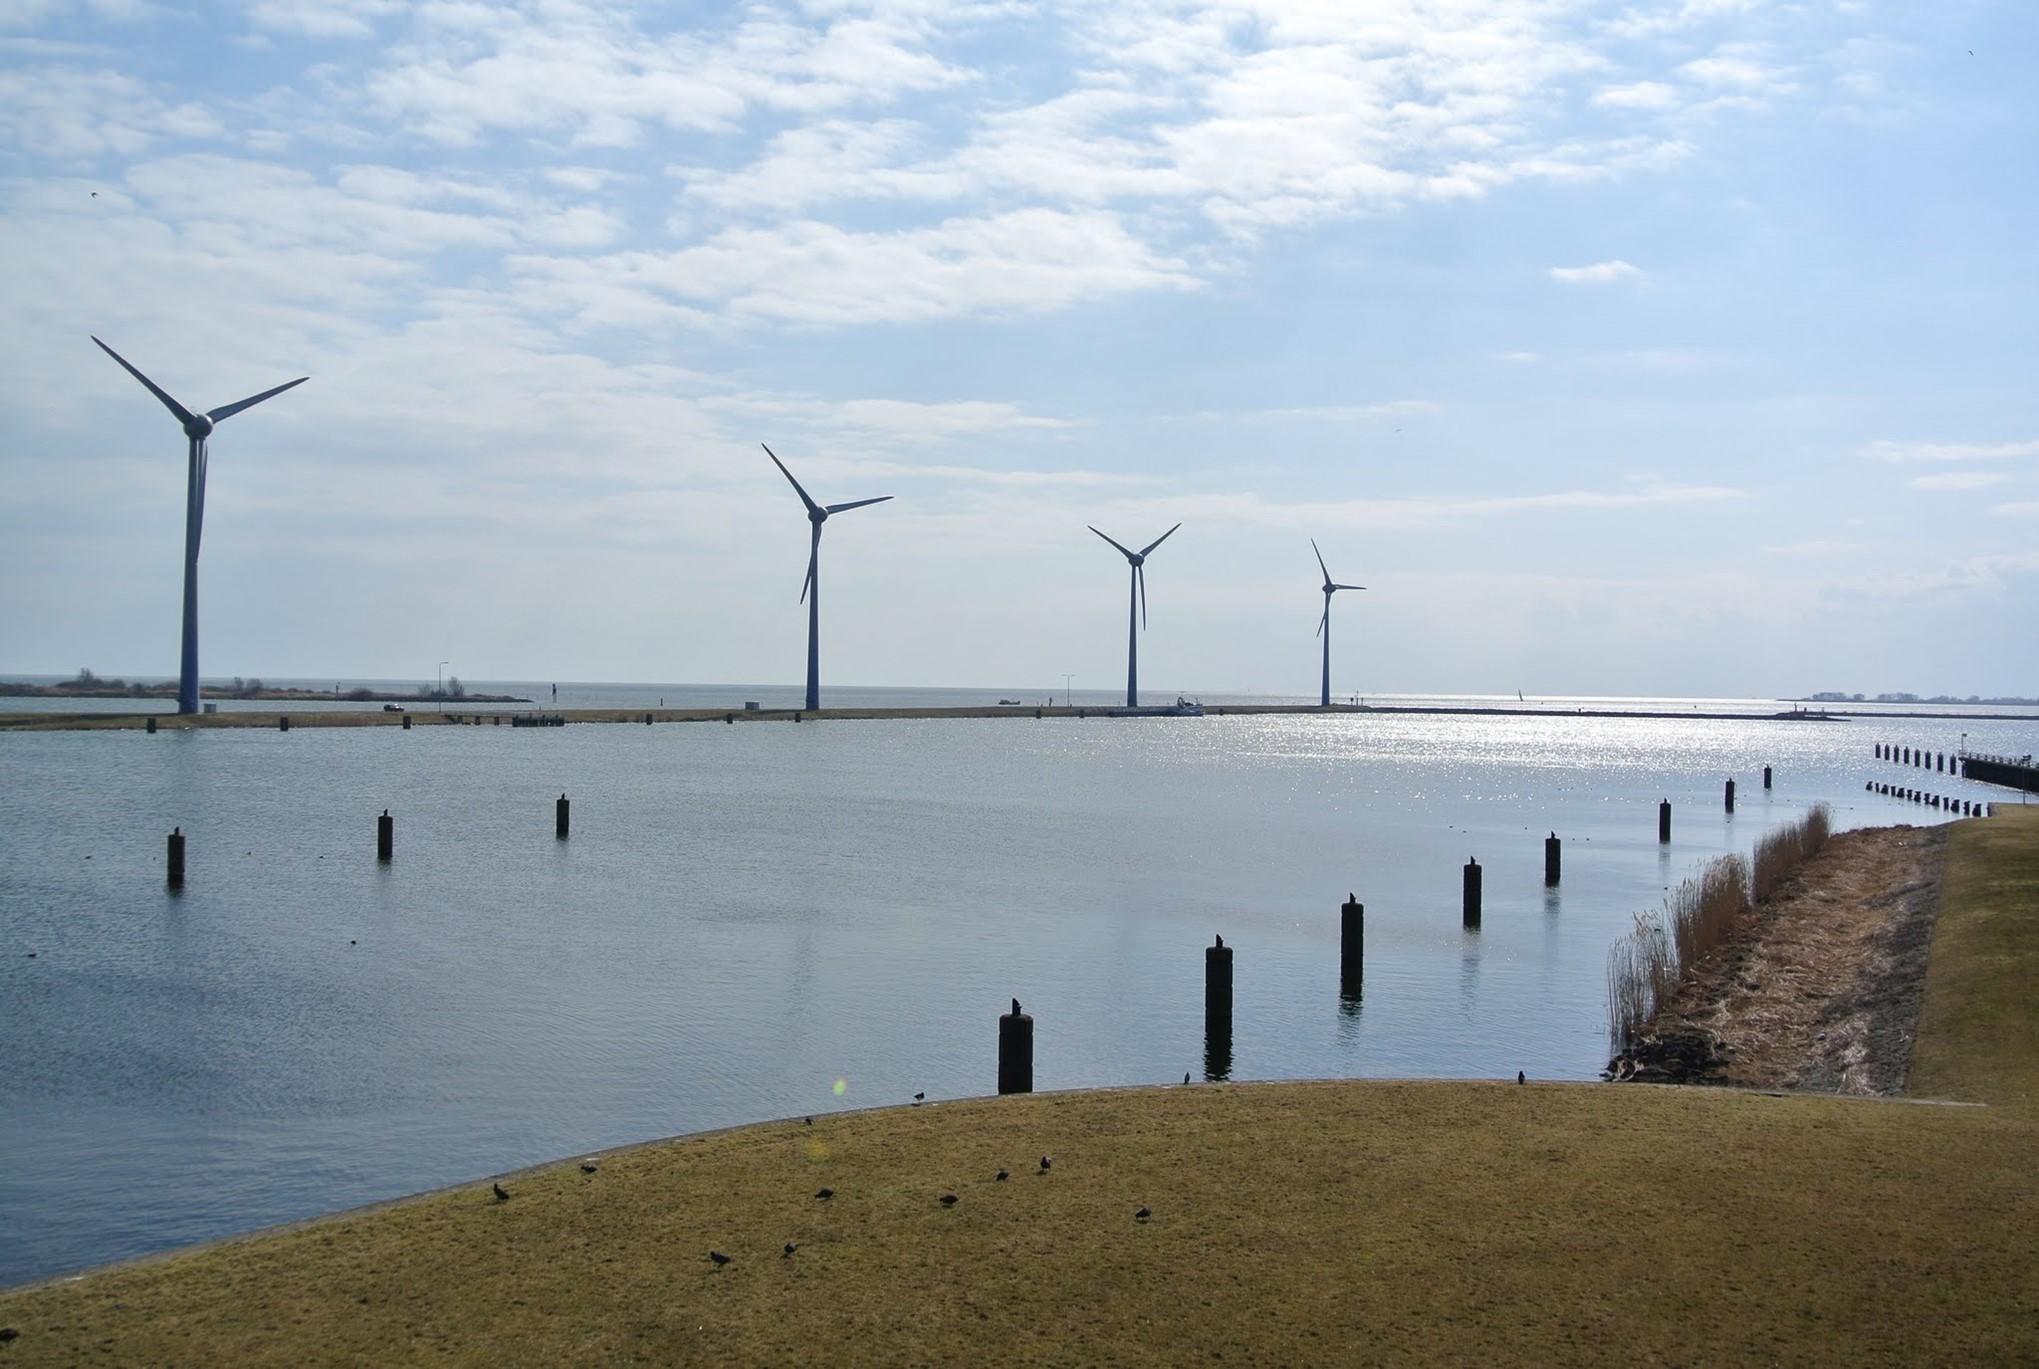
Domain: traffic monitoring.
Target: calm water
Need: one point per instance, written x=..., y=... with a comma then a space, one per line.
x=764, y=920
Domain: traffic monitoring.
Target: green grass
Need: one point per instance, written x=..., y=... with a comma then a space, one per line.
x=1350, y=1223
x=1978, y=1029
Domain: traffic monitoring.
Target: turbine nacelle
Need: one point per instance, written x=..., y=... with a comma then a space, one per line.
x=198, y=427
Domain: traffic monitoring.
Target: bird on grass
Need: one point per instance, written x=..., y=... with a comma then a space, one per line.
x=810, y=1121
x=1142, y=1215
x=719, y=1258
x=589, y=1166
x=1000, y=1177
x=1185, y=1076
x=920, y=1097
x=825, y=1194
x=790, y=1248
x=948, y=1200
x=1045, y=1162
x=1521, y=1078
x=502, y=1194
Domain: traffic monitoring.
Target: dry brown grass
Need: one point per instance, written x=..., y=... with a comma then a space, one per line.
x=1292, y=1224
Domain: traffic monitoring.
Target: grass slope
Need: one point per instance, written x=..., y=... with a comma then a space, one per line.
x=1978, y=1032
x=1418, y=1222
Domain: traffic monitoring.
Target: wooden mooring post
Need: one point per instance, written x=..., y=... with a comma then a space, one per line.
x=1351, y=945
x=1730, y=796
x=175, y=875
x=1471, y=898
x=385, y=837
x=1016, y=1051
x=1664, y=822
x=1553, y=851
x=560, y=815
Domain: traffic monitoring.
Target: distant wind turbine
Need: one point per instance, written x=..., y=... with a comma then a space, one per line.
x=197, y=427
x=1324, y=623
x=810, y=589
x=1136, y=610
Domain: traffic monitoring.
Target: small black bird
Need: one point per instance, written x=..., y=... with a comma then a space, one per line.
x=790, y=1248
x=948, y=1200
x=502, y=1194
x=1221, y=941
x=825, y=1194
x=1142, y=1215
x=1521, y=1078
x=1185, y=1076
x=719, y=1258
x=1044, y=1164
x=589, y=1166
x=920, y=1097
x=1000, y=1177
x=810, y=1121
x=1015, y=1007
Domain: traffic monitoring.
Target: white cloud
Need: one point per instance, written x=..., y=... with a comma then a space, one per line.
x=1026, y=261
x=1599, y=273
x=322, y=18
x=1960, y=480
x=2024, y=508
x=1886, y=449
x=67, y=113
x=1637, y=95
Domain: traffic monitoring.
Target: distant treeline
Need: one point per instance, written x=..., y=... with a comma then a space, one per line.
x=1835, y=696
x=86, y=685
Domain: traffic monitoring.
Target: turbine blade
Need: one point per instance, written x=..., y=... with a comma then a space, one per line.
x=813, y=559
x=1159, y=540
x=1140, y=573
x=1128, y=554
x=1348, y=586
x=184, y=415
x=812, y=507
x=857, y=504
x=1325, y=619
x=229, y=410
x=1320, y=561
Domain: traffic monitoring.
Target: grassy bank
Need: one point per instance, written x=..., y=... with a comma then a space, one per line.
x=1978, y=1030
x=1406, y=1222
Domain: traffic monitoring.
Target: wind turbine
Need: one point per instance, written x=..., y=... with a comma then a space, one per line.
x=197, y=427
x=1324, y=623
x=810, y=590
x=1136, y=610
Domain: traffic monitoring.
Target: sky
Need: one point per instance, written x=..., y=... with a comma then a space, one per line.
x=1616, y=348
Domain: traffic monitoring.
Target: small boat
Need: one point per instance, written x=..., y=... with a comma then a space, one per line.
x=1008, y=703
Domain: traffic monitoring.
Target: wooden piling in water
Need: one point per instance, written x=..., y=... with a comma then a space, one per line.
x=1351, y=945
x=150, y=725
x=175, y=873
x=1016, y=1051
x=385, y=837
x=283, y=723
x=1766, y=777
x=559, y=818
x=1552, y=854
x=1471, y=899
x=1664, y=822
x=407, y=722
x=1730, y=794
x=1218, y=988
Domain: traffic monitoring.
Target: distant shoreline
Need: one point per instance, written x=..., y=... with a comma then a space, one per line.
x=463, y=713
x=14, y=689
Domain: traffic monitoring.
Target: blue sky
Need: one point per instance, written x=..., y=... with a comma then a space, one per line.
x=1681, y=347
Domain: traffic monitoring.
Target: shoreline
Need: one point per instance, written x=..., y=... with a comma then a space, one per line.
x=23, y=721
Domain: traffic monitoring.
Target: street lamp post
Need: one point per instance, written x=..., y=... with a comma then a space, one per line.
x=1067, y=701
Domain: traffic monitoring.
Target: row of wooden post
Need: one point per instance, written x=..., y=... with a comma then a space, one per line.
x=1938, y=761
x=1967, y=808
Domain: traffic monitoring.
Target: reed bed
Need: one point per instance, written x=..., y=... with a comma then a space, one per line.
x=1645, y=967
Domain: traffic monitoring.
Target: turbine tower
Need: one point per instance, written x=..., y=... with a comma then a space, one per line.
x=1324, y=623
x=810, y=590
x=197, y=427
x=1136, y=610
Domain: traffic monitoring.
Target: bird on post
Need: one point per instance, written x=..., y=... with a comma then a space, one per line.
x=1221, y=941
x=1015, y=1007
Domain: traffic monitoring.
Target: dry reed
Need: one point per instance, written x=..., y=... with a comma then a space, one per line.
x=1645, y=967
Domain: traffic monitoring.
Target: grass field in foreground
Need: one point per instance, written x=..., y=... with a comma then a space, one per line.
x=1418, y=1222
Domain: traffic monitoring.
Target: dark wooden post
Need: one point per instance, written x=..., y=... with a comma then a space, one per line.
x=176, y=858
x=385, y=837
x=1731, y=796
x=1218, y=984
x=1351, y=944
x=1766, y=777
x=559, y=817
x=1664, y=822
x=407, y=722
x=151, y=724
x=1472, y=892
x=1016, y=1051
x=283, y=723
x=1552, y=854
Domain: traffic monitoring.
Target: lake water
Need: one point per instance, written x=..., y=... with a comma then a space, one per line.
x=773, y=919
